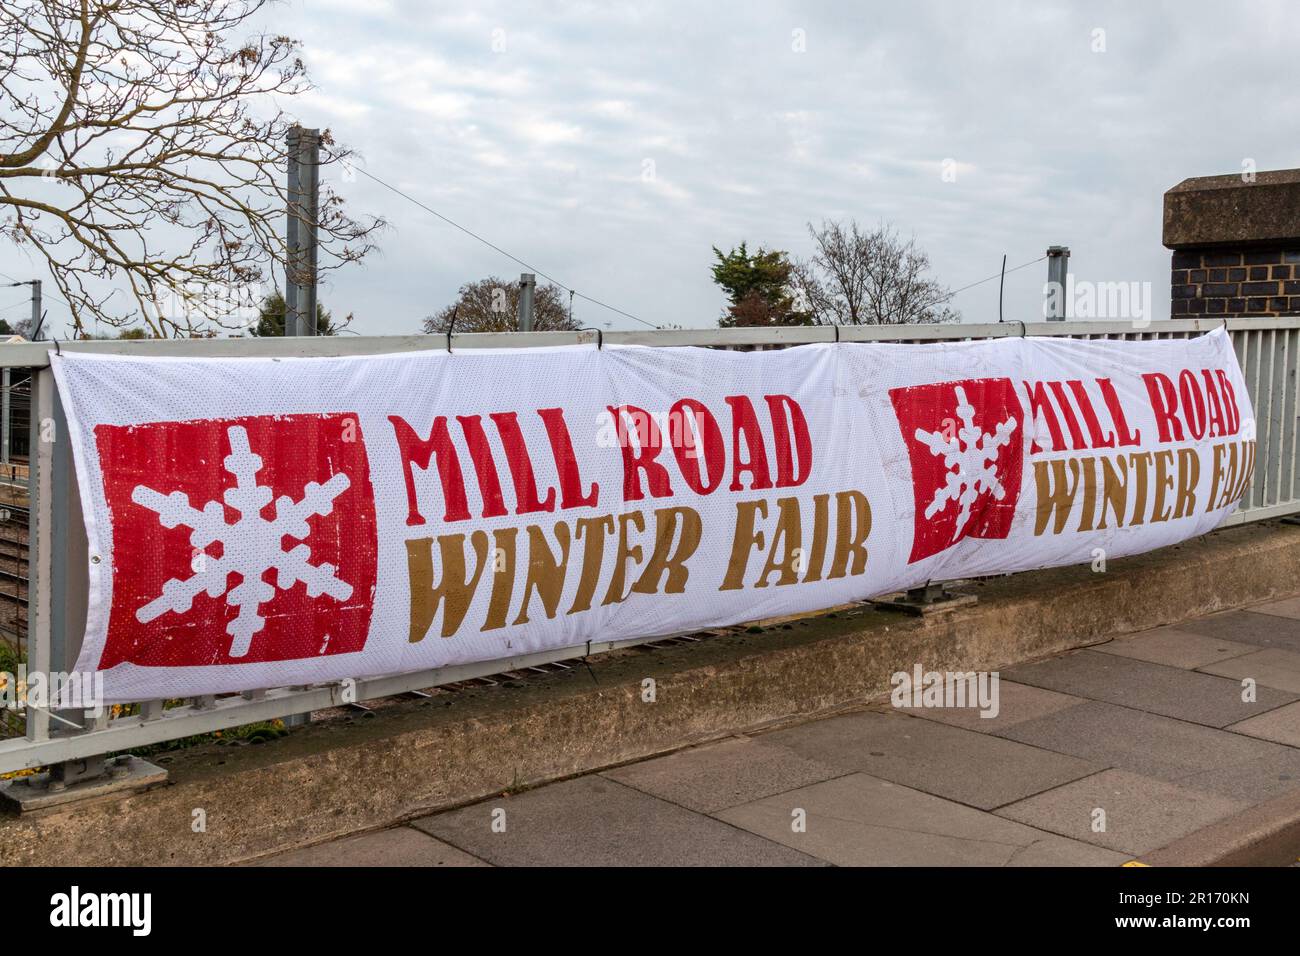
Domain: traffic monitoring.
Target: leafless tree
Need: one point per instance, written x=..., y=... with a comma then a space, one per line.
x=491, y=305
x=140, y=142
x=871, y=277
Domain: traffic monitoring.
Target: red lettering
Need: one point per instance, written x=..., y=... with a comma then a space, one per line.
x=708, y=446
x=1117, y=414
x=745, y=422
x=1071, y=422
x=1164, y=403
x=1193, y=403
x=416, y=453
x=1232, y=412
x=642, y=458
x=1039, y=402
x=1090, y=416
x=521, y=466
x=566, y=463
x=786, y=476
x=485, y=467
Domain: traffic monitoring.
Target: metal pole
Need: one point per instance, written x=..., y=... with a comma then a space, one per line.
x=1058, y=269
x=6, y=409
x=40, y=484
x=291, y=264
x=303, y=149
x=309, y=184
x=527, y=285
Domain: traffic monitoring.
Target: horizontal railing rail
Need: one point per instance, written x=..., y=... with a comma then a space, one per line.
x=1267, y=348
x=36, y=354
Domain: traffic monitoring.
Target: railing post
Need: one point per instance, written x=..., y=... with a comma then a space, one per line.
x=6, y=413
x=303, y=192
x=69, y=554
x=40, y=540
x=1058, y=268
x=527, y=290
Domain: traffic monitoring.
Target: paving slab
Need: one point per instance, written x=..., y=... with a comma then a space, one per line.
x=1249, y=627
x=1155, y=688
x=1272, y=667
x=1174, y=648
x=1267, y=776
x=1016, y=704
x=1281, y=725
x=1229, y=764
x=1287, y=608
x=1267, y=834
x=1141, y=813
x=400, y=846
x=861, y=820
x=977, y=769
x=726, y=774
x=594, y=821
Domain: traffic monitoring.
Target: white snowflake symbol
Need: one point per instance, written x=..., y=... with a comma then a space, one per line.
x=250, y=546
x=970, y=455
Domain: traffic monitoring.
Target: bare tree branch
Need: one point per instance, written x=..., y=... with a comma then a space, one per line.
x=139, y=142
x=491, y=305
x=858, y=277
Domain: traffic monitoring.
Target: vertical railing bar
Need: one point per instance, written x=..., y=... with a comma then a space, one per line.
x=1263, y=424
x=1242, y=342
x=1268, y=490
x=1239, y=346
x=1293, y=392
x=1261, y=421
x=40, y=503
x=1279, y=387
x=1262, y=417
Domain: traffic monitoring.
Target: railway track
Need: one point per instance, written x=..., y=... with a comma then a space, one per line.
x=14, y=561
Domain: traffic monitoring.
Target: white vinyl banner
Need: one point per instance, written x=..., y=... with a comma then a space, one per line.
x=260, y=522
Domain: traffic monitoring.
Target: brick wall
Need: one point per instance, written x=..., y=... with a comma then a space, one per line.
x=1236, y=245
x=1250, y=282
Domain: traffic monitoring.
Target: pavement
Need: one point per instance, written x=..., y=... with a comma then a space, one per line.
x=1096, y=757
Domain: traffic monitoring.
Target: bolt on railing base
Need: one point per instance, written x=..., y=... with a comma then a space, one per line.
x=79, y=780
x=932, y=598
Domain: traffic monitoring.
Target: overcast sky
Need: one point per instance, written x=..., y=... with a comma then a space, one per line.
x=611, y=144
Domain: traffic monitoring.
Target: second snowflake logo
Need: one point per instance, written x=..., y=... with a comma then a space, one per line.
x=964, y=444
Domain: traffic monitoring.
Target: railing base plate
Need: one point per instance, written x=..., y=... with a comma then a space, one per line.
x=930, y=599
x=25, y=794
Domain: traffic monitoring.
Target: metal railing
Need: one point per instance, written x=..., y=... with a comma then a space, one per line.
x=1268, y=349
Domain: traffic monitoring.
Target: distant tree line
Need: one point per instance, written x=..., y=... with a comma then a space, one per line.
x=855, y=276
x=492, y=305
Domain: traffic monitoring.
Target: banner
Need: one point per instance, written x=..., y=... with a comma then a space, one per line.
x=260, y=522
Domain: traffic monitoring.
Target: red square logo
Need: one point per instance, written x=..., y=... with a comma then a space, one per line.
x=238, y=540
x=964, y=443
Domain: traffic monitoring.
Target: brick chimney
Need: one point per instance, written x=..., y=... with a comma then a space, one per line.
x=1236, y=245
